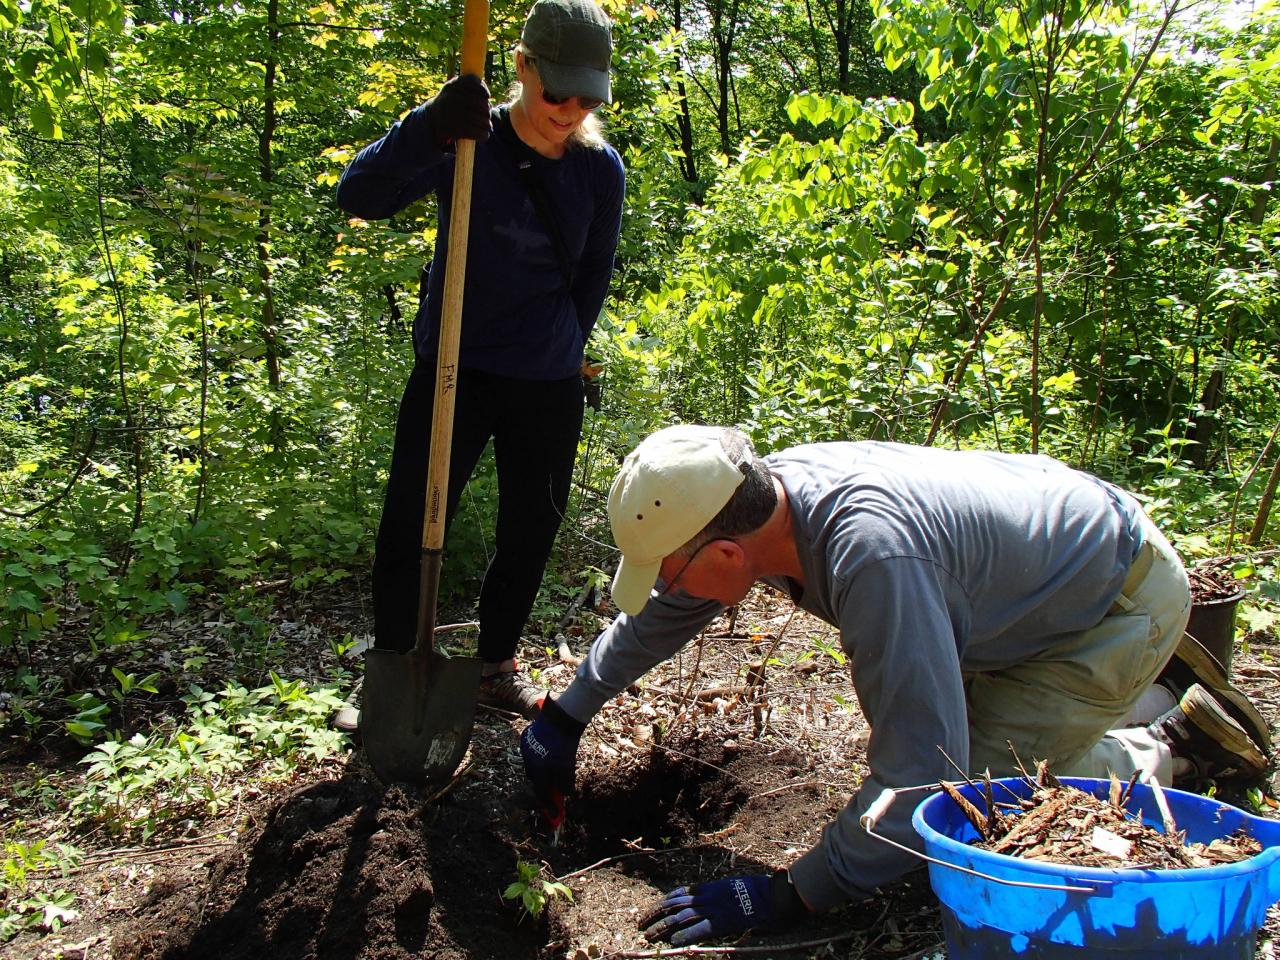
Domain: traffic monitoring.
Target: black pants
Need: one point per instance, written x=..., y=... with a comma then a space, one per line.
x=535, y=426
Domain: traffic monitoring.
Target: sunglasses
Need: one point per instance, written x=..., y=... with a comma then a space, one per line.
x=584, y=103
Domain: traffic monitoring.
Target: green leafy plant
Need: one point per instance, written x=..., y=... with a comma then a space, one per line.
x=339, y=670
x=89, y=719
x=23, y=698
x=128, y=683
x=1261, y=802
x=532, y=890
x=40, y=911
x=25, y=903
x=830, y=647
x=147, y=782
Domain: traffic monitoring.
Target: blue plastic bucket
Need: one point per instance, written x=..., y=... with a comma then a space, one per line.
x=1171, y=914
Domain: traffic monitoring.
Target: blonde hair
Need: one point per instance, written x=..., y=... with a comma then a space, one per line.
x=589, y=133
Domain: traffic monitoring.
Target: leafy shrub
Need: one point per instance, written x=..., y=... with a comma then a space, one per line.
x=149, y=782
x=25, y=902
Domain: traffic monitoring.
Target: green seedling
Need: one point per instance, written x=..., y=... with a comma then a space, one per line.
x=532, y=891
x=88, y=719
x=127, y=683
x=831, y=648
x=338, y=648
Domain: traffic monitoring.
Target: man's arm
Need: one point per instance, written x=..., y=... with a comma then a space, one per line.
x=627, y=649
x=897, y=627
x=631, y=646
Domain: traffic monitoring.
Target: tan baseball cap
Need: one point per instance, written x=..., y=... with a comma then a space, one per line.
x=669, y=488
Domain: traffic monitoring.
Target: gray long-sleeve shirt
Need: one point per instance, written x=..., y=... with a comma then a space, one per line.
x=931, y=563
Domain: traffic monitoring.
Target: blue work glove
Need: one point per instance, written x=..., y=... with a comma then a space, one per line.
x=722, y=907
x=460, y=110
x=549, y=748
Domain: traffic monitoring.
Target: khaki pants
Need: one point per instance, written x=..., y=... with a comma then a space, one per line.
x=1065, y=705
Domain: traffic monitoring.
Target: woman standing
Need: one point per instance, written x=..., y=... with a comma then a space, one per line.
x=546, y=211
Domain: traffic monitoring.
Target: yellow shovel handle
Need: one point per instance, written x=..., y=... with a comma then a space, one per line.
x=475, y=27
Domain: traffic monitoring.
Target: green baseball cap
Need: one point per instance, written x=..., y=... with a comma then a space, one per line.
x=571, y=41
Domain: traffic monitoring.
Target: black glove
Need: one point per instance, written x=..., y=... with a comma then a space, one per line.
x=722, y=907
x=549, y=748
x=460, y=111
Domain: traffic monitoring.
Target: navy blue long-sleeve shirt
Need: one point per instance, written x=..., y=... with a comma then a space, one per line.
x=519, y=316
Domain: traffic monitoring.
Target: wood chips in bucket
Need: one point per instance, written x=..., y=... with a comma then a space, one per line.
x=1062, y=824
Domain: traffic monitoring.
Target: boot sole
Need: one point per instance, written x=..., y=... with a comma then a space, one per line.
x=347, y=717
x=346, y=720
x=1202, y=708
x=1207, y=671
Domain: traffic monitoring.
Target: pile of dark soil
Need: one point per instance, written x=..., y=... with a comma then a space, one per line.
x=335, y=869
x=343, y=868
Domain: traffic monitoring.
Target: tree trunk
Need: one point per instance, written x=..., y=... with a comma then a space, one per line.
x=724, y=26
x=1264, y=506
x=814, y=42
x=842, y=33
x=270, y=327
x=395, y=320
x=131, y=425
x=684, y=122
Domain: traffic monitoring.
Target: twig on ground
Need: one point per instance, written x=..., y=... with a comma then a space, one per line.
x=1257, y=670
x=623, y=856
x=457, y=779
x=756, y=681
x=685, y=697
x=729, y=951
x=689, y=756
x=137, y=855
x=792, y=786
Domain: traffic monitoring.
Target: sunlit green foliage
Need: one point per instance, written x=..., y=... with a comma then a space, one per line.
x=1028, y=226
x=146, y=783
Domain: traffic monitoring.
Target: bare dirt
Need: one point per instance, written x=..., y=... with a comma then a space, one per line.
x=343, y=869
x=711, y=766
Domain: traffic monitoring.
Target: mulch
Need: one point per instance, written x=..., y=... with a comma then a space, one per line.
x=1059, y=823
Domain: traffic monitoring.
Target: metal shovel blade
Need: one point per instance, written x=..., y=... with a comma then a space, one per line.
x=417, y=712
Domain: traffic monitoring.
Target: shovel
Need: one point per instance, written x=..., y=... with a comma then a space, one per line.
x=419, y=706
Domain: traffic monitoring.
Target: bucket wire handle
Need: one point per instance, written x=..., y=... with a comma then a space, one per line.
x=880, y=806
